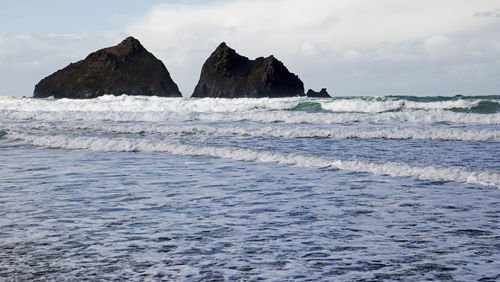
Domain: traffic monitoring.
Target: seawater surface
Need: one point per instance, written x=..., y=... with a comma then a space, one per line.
x=350, y=188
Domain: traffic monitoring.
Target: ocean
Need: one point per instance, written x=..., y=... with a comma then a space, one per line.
x=349, y=188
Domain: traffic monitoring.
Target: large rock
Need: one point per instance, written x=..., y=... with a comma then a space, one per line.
x=226, y=74
x=127, y=68
x=321, y=94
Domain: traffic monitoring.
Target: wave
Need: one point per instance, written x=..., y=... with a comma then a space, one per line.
x=344, y=118
x=374, y=105
x=440, y=98
x=278, y=131
x=482, y=107
x=142, y=104
x=339, y=110
x=101, y=144
x=310, y=107
x=124, y=103
x=275, y=116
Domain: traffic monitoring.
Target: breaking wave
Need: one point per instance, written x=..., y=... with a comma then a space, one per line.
x=289, y=111
x=461, y=104
x=102, y=144
x=482, y=107
x=143, y=124
x=288, y=117
x=281, y=131
x=469, y=104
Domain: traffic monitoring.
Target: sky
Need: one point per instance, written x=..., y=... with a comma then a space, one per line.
x=350, y=47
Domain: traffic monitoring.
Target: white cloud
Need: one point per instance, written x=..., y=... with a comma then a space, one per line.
x=438, y=46
x=352, y=47
x=26, y=59
x=351, y=54
x=330, y=43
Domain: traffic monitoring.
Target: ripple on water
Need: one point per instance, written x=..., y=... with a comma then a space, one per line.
x=122, y=216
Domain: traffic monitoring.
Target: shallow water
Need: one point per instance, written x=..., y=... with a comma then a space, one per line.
x=138, y=188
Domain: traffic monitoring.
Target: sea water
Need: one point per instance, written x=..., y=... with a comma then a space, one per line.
x=350, y=188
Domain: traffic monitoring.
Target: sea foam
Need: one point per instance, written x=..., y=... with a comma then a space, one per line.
x=103, y=144
x=331, y=111
x=276, y=131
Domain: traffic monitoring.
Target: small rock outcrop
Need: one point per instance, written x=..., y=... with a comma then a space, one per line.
x=127, y=68
x=226, y=74
x=321, y=94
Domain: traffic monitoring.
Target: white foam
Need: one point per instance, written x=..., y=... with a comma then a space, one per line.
x=101, y=144
x=288, y=117
x=373, y=105
x=436, y=116
x=142, y=104
x=138, y=108
x=278, y=131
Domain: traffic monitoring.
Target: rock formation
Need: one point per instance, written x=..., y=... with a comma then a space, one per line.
x=321, y=94
x=226, y=74
x=127, y=68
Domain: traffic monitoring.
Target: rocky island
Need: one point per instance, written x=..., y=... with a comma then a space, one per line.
x=321, y=94
x=127, y=68
x=226, y=74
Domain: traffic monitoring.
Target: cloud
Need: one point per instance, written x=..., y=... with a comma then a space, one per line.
x=352, y=47
x=345, y=45
x=488, y=14
x=26, y=59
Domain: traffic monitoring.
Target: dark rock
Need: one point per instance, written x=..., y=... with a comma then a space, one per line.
x=321, y=94
x=226, y=74
x=127, y=68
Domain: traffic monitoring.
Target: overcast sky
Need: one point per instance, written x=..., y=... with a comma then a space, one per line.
x=351, y=47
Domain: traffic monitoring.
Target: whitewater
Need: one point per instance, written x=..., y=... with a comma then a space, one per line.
x=135, y=187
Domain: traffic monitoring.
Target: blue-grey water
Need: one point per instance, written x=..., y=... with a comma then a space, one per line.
x=146, y=188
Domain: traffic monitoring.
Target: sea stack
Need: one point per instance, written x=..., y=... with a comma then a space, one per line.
x=127, y=68
x=226, y=74
x=321, y=94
